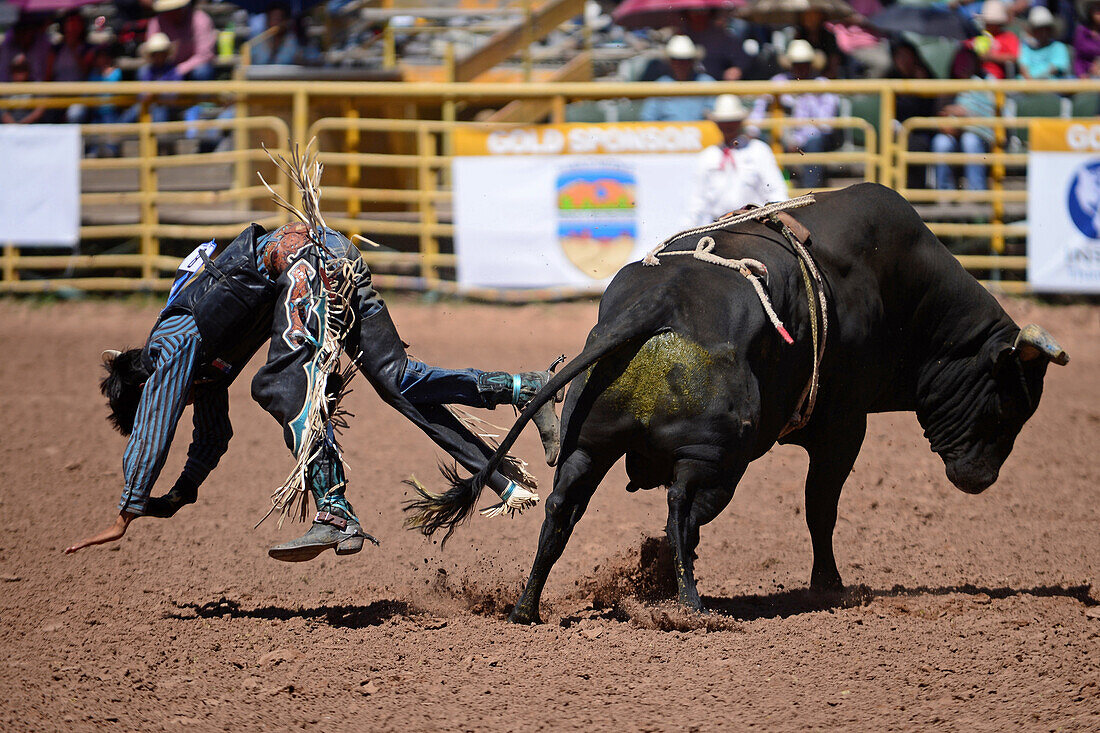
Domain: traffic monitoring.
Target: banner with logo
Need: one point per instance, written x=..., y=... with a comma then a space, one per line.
x=40, y=203
x=568, y=205
x=1063, y=210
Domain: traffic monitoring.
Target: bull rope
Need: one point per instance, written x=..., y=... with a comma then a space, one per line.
x=753, y=270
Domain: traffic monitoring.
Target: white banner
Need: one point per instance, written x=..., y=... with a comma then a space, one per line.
x=1063, y=211
x=40, y=199
x=531, y=212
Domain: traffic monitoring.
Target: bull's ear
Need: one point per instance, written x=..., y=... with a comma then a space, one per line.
x=1034, y=342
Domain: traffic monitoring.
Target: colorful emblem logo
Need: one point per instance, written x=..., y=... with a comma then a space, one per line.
x=597, y=227
x=1084, y=199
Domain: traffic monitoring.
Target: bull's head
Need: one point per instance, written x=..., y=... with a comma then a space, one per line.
x=1003, y=395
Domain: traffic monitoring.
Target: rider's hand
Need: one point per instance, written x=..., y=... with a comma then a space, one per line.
x=113, y=533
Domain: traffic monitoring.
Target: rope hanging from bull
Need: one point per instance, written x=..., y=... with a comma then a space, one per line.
x=753, y=270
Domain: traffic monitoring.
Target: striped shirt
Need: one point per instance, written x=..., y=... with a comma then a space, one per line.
x=174, y=346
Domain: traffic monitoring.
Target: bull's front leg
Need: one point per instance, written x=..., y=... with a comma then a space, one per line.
x=576, y=480
x=831, y=460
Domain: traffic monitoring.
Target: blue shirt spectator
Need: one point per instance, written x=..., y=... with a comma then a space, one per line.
x=1044, y=57
x=682, y=57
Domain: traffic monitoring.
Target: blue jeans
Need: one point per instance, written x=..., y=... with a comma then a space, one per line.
x=423, y=384
x=970, y=142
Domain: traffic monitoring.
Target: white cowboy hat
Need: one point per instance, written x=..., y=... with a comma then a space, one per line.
x=1040, y=17
x=799, y=51
x=993, y=12
x=728, y=108
x=681, y=48
x=163, y=6
x=594, y=17
x=155, y=43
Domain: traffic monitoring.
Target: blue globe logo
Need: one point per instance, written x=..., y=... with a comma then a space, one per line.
x=1084, y=199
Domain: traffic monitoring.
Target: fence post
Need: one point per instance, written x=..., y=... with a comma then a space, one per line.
x=351, y=145
x=887, y=113
x=557, y=110
x=429, y=246
x=240, y=132
x=529, y=12
x=997, y=241
x=300, y=126
x=10, y=253
x=389, y=48
x=147, y=152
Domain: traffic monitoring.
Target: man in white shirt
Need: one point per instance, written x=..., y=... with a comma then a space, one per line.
x=738, y=172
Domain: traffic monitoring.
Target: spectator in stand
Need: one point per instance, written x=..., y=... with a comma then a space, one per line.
x=104, y=68
x=724, y=55
x=281, y=46
x=18, y=71
x=682, y=60
x=998, y=48
x=158, y=52
x=1086, y=43
x=972, y=139
x=735, y=173
x=193, y=33
x=70, y=62
x=1043, y=57
x=27, y=38
x=908, y=64
x=811, y=28
x=804, y=62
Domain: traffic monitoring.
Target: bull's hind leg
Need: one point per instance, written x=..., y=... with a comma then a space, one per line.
x=700, y=490
x=831, y=459
x=575, y=482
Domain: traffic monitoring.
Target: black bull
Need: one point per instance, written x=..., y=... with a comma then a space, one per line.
x=685, y=376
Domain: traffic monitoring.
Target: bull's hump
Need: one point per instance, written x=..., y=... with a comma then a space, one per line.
x=669, y=375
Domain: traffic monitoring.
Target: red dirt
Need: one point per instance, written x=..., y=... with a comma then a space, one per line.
x=967, y=612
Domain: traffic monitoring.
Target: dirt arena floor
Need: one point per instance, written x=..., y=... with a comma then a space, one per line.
x=966, y=612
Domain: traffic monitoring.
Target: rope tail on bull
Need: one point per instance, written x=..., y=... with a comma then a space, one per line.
x=787, y=323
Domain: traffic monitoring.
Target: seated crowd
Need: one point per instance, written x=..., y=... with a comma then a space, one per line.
x=152, y=40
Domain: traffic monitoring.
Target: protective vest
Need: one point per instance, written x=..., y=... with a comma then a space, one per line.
x=232, y=302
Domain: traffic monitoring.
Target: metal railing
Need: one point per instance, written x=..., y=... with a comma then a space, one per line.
x=388, y=152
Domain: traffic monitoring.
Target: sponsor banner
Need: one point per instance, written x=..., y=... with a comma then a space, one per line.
x=40, y=204
x=1063, y=183
x=568, y=205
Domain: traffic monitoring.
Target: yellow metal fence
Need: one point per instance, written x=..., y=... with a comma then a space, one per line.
x=387, y=151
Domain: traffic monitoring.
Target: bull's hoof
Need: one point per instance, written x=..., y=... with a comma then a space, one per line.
x=826, y=583
x=523, y=618
x=692, y=603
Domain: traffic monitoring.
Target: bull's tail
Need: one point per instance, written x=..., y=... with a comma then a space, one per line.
x=430, y=512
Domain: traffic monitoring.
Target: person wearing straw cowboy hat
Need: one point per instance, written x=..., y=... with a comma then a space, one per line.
x=193, y=33
x=1043, y=57
x=803, y=61
x=304, y=290
x=683, y=60
x=735, y=173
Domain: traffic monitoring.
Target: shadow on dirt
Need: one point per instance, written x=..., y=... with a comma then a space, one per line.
x=794, y=602
x=342, y=616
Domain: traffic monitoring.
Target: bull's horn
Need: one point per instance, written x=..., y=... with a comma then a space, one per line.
x=109, y=355
x=1034, y=341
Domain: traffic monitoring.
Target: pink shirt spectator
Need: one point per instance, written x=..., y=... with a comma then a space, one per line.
x=194, y=36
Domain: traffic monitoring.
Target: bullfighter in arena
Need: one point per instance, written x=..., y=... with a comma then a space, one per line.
x=306, y=289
